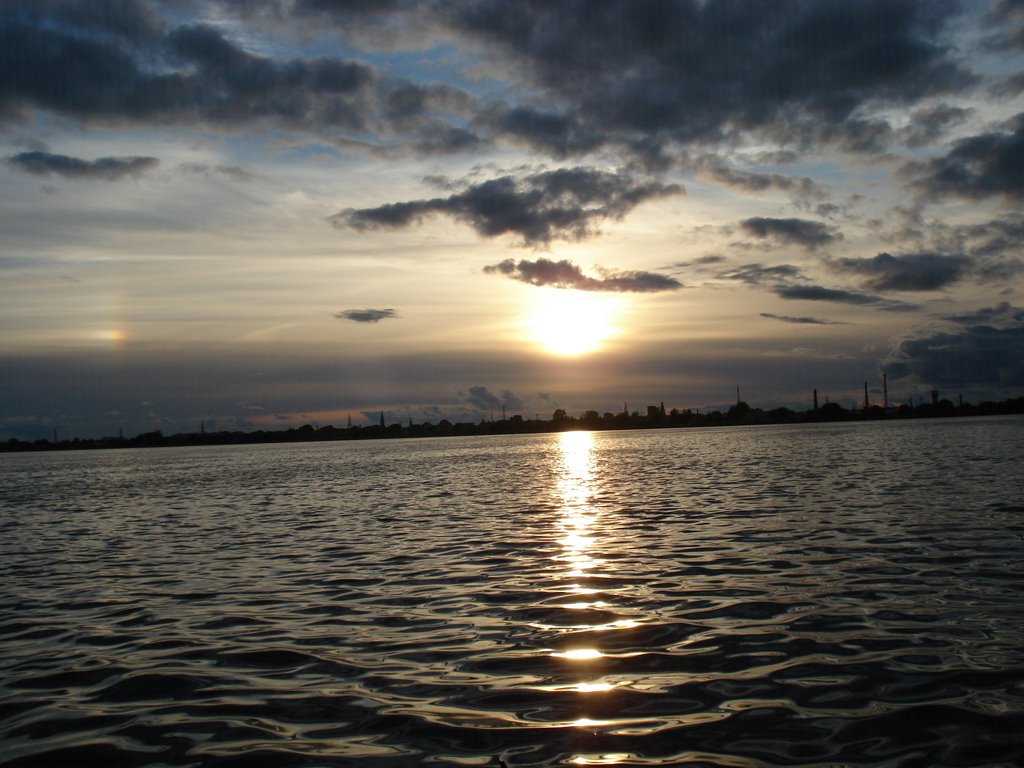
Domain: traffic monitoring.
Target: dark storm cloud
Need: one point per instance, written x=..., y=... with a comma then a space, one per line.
x=987, y=165
x=644, y=77
x=366, y=315
x=106, y=168
x=50, y=58
x=909, y=272
x=672, y=70
x=565, y=274
x=563, y=204
x=800, y=320
x=807, y=234
x=820, y=293
x=980, y=356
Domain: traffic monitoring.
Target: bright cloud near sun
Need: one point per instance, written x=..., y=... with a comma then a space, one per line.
x=269, y=214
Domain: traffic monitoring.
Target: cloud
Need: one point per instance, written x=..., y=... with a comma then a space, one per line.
x=758, y=274
x=705, y=260
x=561, y=204
x=640, y=78
x=801, y=320
x=1006, y=20
x=989, y=251
x=977, y=357
x=558, y=135
x=54, y=57
x=366, y=315
x=1003, y=314
x=483, y=399
x=820, y=293
x=656, y=69
x=909, y=272
x=986, y=165
x=565, y=274
x=106, y=168
x=801, y=188
x=930, y=124
x=233, y=172
x=808, y=234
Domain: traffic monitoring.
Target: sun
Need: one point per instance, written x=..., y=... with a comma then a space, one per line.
x=572, y=323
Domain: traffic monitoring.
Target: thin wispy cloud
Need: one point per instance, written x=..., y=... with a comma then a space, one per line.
x=840, y=296
x=366, y=315
x=800, y=320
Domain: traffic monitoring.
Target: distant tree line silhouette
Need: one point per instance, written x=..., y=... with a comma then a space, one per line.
x=656, y=417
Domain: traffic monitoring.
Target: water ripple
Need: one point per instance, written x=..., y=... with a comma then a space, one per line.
x=823, y=595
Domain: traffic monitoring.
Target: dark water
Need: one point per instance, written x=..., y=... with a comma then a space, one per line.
x=819, y=595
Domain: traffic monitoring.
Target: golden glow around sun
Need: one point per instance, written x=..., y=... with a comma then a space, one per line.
x=571, y=323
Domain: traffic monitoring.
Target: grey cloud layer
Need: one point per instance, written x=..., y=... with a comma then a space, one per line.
x=563, y=204
x=565, y=274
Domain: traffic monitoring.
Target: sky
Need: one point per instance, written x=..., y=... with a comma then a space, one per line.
x=258, y=215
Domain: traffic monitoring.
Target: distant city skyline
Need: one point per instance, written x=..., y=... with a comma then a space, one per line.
x=264, y=215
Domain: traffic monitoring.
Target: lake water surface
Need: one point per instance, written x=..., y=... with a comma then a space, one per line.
x=814, y=595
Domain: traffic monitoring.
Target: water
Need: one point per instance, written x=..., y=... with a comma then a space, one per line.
x=816, y=595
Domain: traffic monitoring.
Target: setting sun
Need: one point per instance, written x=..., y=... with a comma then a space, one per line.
x=572, y=323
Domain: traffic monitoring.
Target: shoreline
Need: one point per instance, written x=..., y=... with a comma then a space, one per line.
x=740, y=414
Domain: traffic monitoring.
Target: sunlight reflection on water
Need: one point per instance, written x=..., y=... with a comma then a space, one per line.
x=583, y=530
